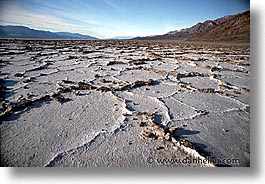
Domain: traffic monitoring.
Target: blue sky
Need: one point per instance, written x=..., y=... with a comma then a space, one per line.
x=111, y=18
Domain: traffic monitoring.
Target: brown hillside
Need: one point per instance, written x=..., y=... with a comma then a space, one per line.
x=236, y=30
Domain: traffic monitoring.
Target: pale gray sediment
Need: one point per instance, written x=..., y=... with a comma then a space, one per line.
x=110, y=103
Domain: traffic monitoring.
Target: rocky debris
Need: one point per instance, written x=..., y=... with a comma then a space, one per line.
x=116, y=63
x=21, y=105
x=168, y=136
x=28, y=79
x=156, y=71
x=200, y=112
x=174, y=130
x=60, y=98
x=2, y=90
x=104, y=81
x=89, y=86
x=19, y=75
x=158, y=132
x=73, y=57
x=138, y=62
x=187, y=143
x=83, y=86
x=160, y=148
x=154, y=56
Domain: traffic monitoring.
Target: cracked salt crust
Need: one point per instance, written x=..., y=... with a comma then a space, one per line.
x=49, y=129
x=77, y=103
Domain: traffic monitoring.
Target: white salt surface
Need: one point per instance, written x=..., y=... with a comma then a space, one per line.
x=92, y=103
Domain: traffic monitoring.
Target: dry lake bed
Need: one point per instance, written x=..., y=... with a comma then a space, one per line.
x=124, y=103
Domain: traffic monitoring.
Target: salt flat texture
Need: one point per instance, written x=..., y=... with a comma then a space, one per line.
x=123, y=103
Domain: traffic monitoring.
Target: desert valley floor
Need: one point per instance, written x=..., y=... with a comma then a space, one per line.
x=123, y=103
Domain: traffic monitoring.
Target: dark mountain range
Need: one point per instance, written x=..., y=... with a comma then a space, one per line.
x=25, y=32
x=228, y=28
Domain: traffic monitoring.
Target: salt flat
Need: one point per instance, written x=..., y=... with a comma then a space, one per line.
x=123, y=103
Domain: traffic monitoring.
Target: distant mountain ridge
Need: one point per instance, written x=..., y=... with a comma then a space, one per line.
x=122, y=38
x=25, y=32
x=210, y=30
